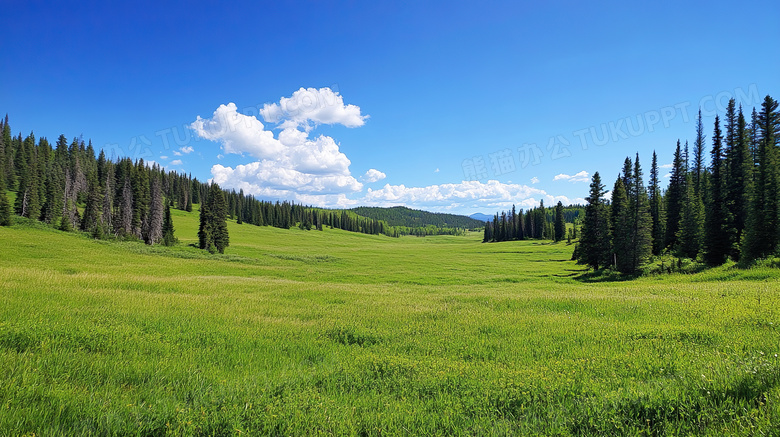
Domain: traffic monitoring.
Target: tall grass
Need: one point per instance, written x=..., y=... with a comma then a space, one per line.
x=302, y=333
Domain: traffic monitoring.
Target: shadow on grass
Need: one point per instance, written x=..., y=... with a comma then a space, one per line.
x=605, y=275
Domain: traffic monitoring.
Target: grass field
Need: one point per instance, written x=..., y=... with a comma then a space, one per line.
x=307, y=333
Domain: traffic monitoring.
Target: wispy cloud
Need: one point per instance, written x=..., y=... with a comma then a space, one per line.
x=582, y=176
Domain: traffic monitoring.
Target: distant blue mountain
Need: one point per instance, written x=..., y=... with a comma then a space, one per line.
x=481, y=217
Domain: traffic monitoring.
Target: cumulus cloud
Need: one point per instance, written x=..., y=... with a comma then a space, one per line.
x=238, y=133
x=321, y=106
x=373, y=175
x=582, y=176
x=666, y=166
x=534, y=180
x=176, y=162
x=292, y=165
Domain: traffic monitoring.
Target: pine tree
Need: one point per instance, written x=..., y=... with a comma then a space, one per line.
x=94, y=204
x=55, y=182
x=674, y=197
x=740, y=182
x=205, y=240
x=594, y=249
x=107, y=216
x=691, y=231
x=140, y=197
x=168, y=238
x=717, y=236
x=642, y=224
x=153, y=221
x=8, y=166
x=6, y=218
x=698, y=167
x=621, y=227
x=761, y=237
x=656, y=208
x=213, y=233
x=560, y=224
x=488, y=234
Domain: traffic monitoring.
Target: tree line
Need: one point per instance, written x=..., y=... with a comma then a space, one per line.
x=537, y=223
x=402, y=216
x=70, y=188
x=727, y=209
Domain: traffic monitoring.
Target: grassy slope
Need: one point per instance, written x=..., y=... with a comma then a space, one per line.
x=297, y=332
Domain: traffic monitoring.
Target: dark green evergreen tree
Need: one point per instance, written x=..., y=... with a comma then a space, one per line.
x=213, y=233
x=93, y=207
x=656, y=208
x=621, y=226
x=740, y=182
x=168, y=238
x=6, y=218
x=690, y=234
x=698, y=166
x=761, y=237
x=717, y=235
x=560, y=224
x=674, y=197
x=641, y=223
x=594, y=247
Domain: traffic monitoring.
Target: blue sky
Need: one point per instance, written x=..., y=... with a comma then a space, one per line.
x=447, y=106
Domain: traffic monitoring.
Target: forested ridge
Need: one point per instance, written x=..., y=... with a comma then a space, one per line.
x=418, y=222
x=726, y=209
x=70, y=188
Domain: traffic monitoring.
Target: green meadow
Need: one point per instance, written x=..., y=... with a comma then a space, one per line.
x=333, y=333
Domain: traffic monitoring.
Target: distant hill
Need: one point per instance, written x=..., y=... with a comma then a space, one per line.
x=481, y=217
x=403, y=216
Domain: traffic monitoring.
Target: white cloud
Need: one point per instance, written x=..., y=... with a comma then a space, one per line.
x=436, y=171
x=186, y=149
x=534, y=180
x=668, y=175
x=666, y=166
x=492, y=195
x=176, y=162
x=163, y=157
x=321, y=106
x=373, y=175
x=238, y=133
x=176, y=153
x=270, y=178
x=292, y=165
x=582, y=176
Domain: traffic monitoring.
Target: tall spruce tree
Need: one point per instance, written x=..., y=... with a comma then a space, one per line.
x=213, y=233
x=560, y=224
x=8, y=165
x=642, y=224
x=761, y=237
x=690, y=234
x=740, y=182
x=621, y=224
x=698, y=165
x=594, y=247
x=6, y=218
x=168, y=238
x=674, y=197
x=94, y=205
x=717, y=235
x=656, y=207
